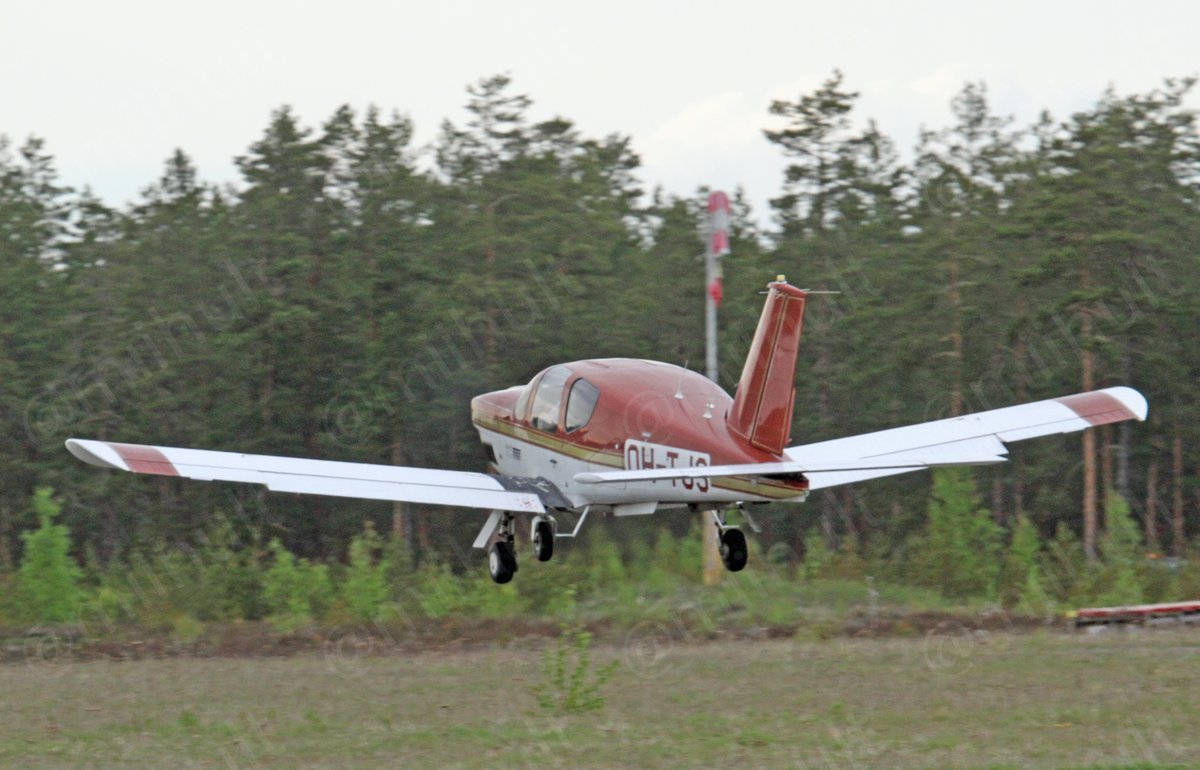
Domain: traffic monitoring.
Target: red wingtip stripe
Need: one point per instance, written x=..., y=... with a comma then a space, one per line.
x=145, y=459
x=1098, y=408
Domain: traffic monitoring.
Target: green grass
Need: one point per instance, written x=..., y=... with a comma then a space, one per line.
x=949, y=699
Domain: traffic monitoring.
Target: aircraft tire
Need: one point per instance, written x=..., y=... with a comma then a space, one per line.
x=502, y=562
x=734, y=552
x=543, y=540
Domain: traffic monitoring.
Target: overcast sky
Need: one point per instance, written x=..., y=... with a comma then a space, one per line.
x=115, y=86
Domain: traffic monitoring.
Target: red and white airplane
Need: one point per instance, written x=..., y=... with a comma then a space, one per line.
x=631, y=437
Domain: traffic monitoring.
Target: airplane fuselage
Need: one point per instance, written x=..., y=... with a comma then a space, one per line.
x=612, y=414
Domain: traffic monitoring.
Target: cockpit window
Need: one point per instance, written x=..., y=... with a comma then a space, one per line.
x=523, y=401
x=548, y=399
x=580, y=404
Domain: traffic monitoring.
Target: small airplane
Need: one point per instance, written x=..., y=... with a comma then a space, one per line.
x=632, y=437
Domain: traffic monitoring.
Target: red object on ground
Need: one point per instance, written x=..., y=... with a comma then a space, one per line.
x=1139, y=613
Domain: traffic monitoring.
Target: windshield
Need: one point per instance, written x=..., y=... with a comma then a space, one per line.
x=546, y=402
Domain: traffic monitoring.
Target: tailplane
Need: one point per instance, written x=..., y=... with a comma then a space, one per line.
x=766, y=393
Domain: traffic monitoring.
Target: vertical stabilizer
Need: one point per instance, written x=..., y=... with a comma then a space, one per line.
x=766, y=393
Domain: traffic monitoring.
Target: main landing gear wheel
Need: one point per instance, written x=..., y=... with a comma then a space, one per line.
x=543, y=540
x=734, y=552
x=502, y=561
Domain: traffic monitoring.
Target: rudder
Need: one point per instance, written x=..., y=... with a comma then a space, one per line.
x=766, y=393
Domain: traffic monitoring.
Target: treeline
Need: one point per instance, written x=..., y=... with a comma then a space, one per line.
x=348, y=297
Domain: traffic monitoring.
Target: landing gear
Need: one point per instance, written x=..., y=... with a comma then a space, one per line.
x=498, y=539
x=502, y=561
x=543, y=538
x=502, y=555
x=734, y=552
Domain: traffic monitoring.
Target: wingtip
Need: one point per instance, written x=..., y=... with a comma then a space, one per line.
x=97, y=453
x=1132, y=400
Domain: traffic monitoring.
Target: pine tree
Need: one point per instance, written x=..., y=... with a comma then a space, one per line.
x=1122, y=556
x=960, y=550
x=37, y=400
x=838, y=218
x=1116, y=192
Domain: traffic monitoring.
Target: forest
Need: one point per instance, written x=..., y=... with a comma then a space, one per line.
x=351, y=292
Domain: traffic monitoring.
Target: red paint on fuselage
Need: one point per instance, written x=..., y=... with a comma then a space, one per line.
x=640, y=400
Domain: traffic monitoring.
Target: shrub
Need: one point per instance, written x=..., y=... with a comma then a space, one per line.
x=1063, y=565
x=570, y=684
x=365, y=590
x=1020, y=575
x=848, y=562
x=817, y=555
x=48, y=579
x=437, y=591
x=230, y=575
x=296, y=592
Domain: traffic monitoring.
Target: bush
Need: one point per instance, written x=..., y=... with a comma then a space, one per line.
x=848, y=562
x=605, y=567
x=365, y=590
x=296, y=592
x=230, y=576
x=438, y=592
x=48, y=579
x=1020, y=575
x=1063, y=566
x=817, y=555
x=570, y=684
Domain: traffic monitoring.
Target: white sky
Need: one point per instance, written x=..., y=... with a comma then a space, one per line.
x=115, y=86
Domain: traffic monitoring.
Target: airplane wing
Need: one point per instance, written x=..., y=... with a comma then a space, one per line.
x=316, y=477
x=973, y=439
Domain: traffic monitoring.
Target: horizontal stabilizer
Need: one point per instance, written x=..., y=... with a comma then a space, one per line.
x=316, y=477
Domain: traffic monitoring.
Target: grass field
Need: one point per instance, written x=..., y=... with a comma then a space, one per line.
x=953, y=699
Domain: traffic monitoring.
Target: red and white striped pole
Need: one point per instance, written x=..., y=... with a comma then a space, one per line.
x=717, y=246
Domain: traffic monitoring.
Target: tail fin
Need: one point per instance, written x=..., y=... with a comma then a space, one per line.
x=766, y=394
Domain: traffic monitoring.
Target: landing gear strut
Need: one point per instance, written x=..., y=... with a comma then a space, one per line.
x=498, y=539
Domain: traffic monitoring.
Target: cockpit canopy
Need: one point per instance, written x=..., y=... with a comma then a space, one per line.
x=541, y=403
